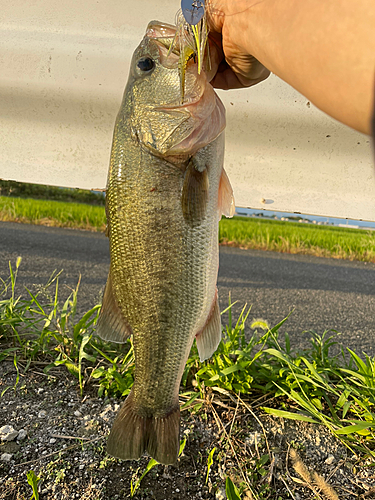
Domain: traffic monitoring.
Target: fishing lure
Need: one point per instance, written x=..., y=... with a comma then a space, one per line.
x=191, y=37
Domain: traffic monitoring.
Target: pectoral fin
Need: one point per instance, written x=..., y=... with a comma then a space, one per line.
x=209, y=337
x=112, y=325
x=226, y=205
x=194, y=194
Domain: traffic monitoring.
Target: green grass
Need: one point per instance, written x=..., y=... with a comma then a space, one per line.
x=337, y=392
x=294, y=237
x=52, y=213
x=289, y=237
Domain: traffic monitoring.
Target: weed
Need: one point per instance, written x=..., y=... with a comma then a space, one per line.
x=151, y=464
x=33, y=481
x=337, y=392
x=312, y=479
x=210, y=461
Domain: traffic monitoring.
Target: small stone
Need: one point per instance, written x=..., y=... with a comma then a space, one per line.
x=81, y=466
x=104, y=414
x=250, y=440
x=177, y=490
x=42, y=414
x=77, y=413
x=9, y=447
x=52, y=441
x=7, y=433
x=6, y=457
x=22, y=434
x=329, y=460
x=220, y=494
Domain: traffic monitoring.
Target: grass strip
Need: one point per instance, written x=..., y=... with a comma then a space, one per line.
x=52, y=213
x=297, y=238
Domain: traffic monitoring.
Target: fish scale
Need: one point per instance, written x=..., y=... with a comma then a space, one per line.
x=162, y=209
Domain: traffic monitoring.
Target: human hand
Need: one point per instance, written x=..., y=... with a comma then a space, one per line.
x=233, y=66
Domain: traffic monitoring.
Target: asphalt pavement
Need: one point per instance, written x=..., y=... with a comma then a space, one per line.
x=324, y=293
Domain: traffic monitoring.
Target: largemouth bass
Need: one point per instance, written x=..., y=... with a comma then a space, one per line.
x=166, y=192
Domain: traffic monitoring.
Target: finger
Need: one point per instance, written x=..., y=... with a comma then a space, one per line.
x=244, y=65
x=215, y=15
x=227, y=79
x=216, y=56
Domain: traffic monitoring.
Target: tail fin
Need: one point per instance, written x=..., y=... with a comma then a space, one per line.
x=132, y=435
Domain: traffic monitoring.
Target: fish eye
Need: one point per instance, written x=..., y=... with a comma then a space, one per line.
x=146, y=64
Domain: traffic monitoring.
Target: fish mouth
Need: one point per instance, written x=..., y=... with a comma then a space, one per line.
x=170, y=42
x=159, y=30
x=204, y=109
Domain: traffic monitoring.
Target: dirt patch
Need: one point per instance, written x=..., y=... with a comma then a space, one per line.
x=66, y=436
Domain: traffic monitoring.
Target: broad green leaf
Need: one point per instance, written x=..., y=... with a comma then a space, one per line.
x=277, y=354
x=231, y=490
x=222, y=391
x=359, y=426
x=231, y=369
x=359, y=362
x=72, y=368
x=276, y=328
x=342, y=399
x=289, y=415
x=317, y=403
x=345, y=409
x=263, y=460
x=150, y=465
x=190, y=400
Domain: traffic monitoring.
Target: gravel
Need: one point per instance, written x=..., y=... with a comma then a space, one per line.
x=66, y=449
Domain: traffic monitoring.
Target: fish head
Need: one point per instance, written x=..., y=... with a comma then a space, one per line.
x=159, y=120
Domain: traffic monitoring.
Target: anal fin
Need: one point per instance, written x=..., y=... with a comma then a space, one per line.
x=209, y=337
x=133, y=434
x=112, y=325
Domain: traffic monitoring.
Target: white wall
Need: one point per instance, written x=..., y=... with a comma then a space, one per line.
x=64, y=65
